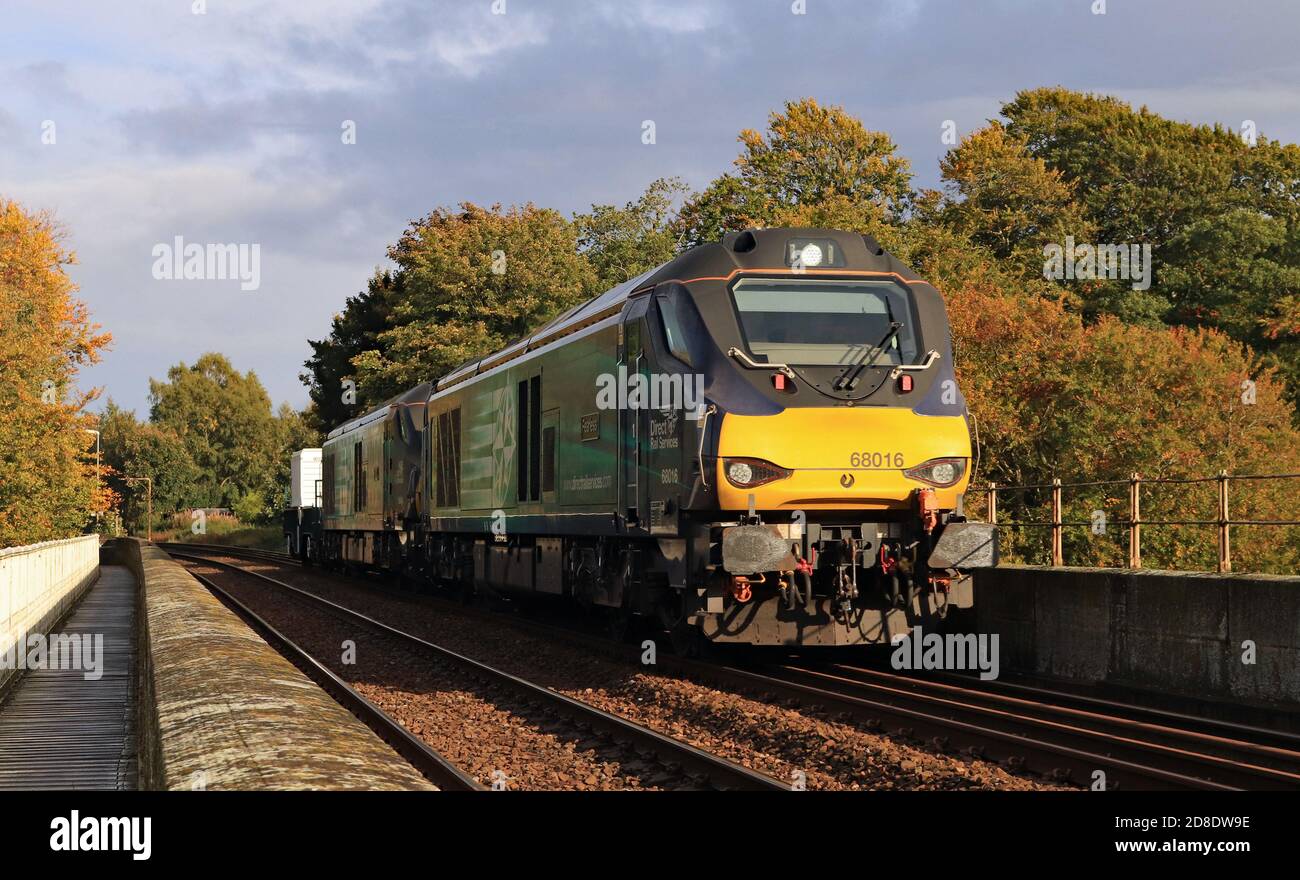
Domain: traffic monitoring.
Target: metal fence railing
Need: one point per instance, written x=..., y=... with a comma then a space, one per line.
x=1223, y=521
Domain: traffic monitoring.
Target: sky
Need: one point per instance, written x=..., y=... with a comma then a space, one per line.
x=317, y=131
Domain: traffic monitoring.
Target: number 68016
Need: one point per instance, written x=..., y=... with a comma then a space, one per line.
x=876, y=459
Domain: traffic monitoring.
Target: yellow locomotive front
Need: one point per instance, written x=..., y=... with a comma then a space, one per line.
x=835, y=444
x=846, y=445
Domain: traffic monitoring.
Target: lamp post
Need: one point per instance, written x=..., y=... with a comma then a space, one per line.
x=148, y=481
x=98, y=471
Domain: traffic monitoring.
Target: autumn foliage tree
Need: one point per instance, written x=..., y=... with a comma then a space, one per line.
x=814, y=166
x=1055, y=397
x=47, y=480
x=1085, y=380
x=475, y=279
x=1010, y=203
x=621, y=243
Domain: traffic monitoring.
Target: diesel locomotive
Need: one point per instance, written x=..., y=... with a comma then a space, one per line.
x=761, y=441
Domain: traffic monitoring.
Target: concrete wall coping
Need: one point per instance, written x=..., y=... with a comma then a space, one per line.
x=6, y=552
x=1216, y=576
x=221, y=709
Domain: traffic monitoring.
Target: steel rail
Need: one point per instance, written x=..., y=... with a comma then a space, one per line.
x=1215, y=727
x=1055, y=734
x=695, y=763
x=430, y=763
x=1199, y=756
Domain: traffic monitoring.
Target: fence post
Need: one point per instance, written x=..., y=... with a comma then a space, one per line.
x=1134, y=521
x=1225, y=546
x=1058, y=550
x=993, y=503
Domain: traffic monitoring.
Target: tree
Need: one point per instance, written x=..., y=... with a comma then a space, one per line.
x=47, y=479
x=812, y=163
x=1009, y=202
x=211, y=442
x=1140, y=177
x=134, y=449
x=355, y=330
x=621, y=243
x=294, y=431
x=224, y=420
x=1055, y=397
x=473, y=280
x=1221, y=214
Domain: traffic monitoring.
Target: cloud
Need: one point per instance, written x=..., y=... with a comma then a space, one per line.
x=478, y=37
x=674, y=17
x=225, y=127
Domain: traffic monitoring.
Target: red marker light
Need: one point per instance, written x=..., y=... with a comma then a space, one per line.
x=781, y=383
x=904, y=384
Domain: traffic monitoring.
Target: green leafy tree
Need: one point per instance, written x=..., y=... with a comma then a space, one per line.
x=814, y=165
x=294, y=431
x=1220, y=213
x=223, y=418
x=621, y=243
x=354, y=330
x=473, y=280
x=134, y=449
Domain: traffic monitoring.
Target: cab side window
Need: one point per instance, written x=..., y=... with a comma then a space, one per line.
x=672, y=328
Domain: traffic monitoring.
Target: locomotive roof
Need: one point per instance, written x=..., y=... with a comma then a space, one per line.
x=753, y=249
x=417, y=395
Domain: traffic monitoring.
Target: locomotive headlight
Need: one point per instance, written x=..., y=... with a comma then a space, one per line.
x=941, y=472
x=746, y=473
x=811, y=255
x=944, y=472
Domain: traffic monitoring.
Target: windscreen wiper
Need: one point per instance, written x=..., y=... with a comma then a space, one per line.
x=848, y=380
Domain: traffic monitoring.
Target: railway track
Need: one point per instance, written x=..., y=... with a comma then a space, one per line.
x=1059, y=741
x=1057, y=735
x=696, y=766
x=434, y=766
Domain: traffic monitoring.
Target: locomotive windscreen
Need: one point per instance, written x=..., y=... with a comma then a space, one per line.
x=824, y=322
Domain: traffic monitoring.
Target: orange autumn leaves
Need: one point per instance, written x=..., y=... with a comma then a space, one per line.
x=47, y=470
